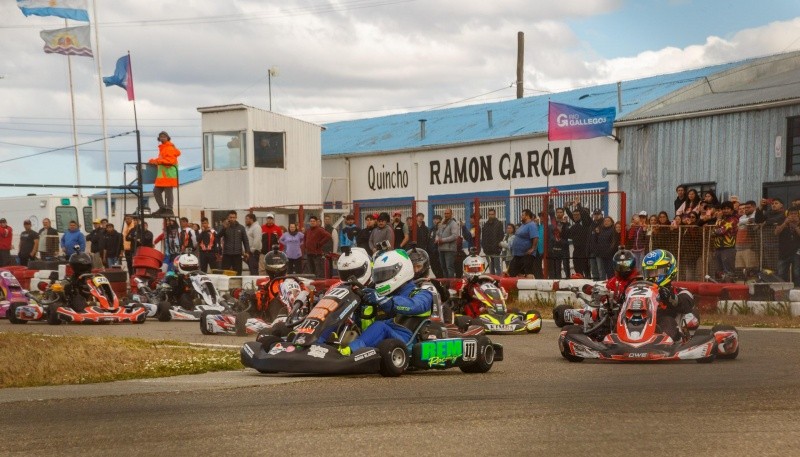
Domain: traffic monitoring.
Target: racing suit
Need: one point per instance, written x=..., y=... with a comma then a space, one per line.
x=673, y=301
x=472, y=308
x=407, y=306
x=618, y=284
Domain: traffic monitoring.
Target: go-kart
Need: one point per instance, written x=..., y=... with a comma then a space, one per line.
x=89, y=299
x=633, y=335
x=483, y=302
x=312, y=346
x=588, y=314
x=11, y=294
x=201, y=297
x=24, y=307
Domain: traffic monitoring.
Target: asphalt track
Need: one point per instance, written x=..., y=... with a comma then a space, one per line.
x=533, y=403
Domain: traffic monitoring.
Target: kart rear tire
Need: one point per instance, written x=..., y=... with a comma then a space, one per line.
x=203, y=315
x=485, y=358
x=52, y=315
x=527, y=315
x=394, y=357
x=558, y=315
x=11, y=314
x=571, y=329
x=735, y=354
x=163, y=313
x=241, y=323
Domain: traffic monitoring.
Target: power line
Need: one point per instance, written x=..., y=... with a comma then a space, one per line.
x=65, y=147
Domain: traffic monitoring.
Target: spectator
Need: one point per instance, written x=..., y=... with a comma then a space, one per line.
x=538, y=254
x=27, y=243
x=316, y=238
x=147, y=237
x=111, y=246
x=382, y=232
x=135, y=239
x=254, y=235
x=662, y=237
x=592, y=247
x=637, y=238
x=234, y=244
x=723, y=239
x=423, y=234
x=362, y=239
x=330, y=246
x=172, y=243
x=692, y=203
x=48, y=241
x=708, y=208
x=6, y=238
x=523, y=247
x=433, y=249
x=508, y=240
x=167, y=174
x=71, y=238
x=774, y=213
x=446, y=240
x=187, y=236
x=491, y=235
x=129, y=225
x=603, y=245
x=93, y=238
x=463, y=244
x=788, y=233
x=292, y=240
x=208, y=246
x=736, y=204
x=579, y=233
x=270, y=235
x=349, y=233
x=747, y=235
x=400, y=231
x=691, y=247
x=559, y=245
x=652, y=221
x=680, y=198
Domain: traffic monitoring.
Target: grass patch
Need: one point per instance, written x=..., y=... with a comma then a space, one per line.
x=28, y=360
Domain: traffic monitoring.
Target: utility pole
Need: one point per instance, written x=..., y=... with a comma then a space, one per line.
x=520, y=61
x=270, y=73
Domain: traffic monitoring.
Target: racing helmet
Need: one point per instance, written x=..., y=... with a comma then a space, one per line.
x=275, y=261
x=355, y=263
x=624, y=263
x=474, y=266
x=660, y=267
x=81, y=263
x=186, y=263
x=421, y=261
x=289, y=291
x=391, y=270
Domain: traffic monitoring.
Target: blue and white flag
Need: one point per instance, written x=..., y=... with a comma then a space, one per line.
x=68, y=9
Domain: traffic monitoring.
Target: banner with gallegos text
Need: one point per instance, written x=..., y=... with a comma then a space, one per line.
x=68, y=9
x=71, y=41
x=566, y=122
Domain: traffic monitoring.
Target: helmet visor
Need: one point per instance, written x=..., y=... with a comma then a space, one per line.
x=384, y=274
x=358, y=272
x=657, y=272
x=625, y=265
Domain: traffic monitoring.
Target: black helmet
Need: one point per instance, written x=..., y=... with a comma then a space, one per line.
x=275, y=261
x=81, y=263
x=624, y=263
x=421, y=261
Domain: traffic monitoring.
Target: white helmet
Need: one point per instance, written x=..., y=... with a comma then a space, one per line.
x=474, y=266
x=355, y=263
x=391, y=270
x=186, y=263
x=289, y=291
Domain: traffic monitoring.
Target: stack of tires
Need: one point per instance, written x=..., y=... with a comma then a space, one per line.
x=146, y=265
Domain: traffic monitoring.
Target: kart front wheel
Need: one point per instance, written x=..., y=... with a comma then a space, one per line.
x=11, y=314
x=533, y=314
x=558, y=315
x=726, y=328
x=394, y=358
x=241, y=323
x=163, y=311
x=203, y=318
x=485, y=357
x=52, y=315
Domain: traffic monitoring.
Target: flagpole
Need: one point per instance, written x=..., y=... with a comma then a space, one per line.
x=74, y=127
x=102, y=103
x=140, y=185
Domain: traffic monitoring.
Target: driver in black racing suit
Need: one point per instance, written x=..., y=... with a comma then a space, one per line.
x=660, y=267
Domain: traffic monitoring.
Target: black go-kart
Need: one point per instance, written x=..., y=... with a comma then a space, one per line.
x=312, y=346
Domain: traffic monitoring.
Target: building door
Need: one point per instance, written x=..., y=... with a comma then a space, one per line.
x=786, y=191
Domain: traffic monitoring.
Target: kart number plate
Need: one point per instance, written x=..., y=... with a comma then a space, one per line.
x=100, y=280
x=500, y=327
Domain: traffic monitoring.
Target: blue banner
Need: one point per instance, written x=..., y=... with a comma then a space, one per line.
x=566, y=122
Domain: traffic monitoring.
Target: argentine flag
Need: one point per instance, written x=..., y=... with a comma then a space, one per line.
x=68, y=9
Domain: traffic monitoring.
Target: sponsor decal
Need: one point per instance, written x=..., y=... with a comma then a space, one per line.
x=500, y=327
x=323, y=308
x=301, y=340
x=248, y=350
x=289, y=348
x=307, y=326
x=348, y=308
x=337, y=292
x=364, y=355
x=278, y=348
x=100, y=280
x=470, y=351
x=439, y=352
x=385, y=179
x=317, y=351
x=637, y=355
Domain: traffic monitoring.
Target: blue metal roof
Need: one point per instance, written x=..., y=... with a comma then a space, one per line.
x=185, y=175
x=519, y=117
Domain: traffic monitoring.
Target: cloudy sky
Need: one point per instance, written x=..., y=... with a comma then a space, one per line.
x=339, y=60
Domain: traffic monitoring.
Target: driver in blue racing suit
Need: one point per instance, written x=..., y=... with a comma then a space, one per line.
x=396, y=295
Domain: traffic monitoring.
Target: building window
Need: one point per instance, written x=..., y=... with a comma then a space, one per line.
x=268, y=152
x=65, y=214
x=793, y=146
x=703, y=187
x=87, y=217
x=224, y=150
